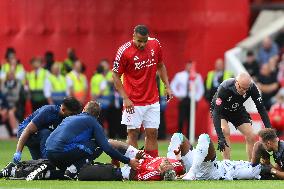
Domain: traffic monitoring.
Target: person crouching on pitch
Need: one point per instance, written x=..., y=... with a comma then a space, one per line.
x=71, y=144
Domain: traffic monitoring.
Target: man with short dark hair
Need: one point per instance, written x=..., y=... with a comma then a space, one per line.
x=269, y=142
x=35, y=129
x=80, y=139
x=227, y=106
x=138, y=61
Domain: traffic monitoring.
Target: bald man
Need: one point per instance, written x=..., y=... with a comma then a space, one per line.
x=227, y=106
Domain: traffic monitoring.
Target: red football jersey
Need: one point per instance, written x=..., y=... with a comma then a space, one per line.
x=149, y=168
x=139, y=69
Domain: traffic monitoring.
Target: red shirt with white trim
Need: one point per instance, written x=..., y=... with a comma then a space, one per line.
x=139, y=69
x=148, y=168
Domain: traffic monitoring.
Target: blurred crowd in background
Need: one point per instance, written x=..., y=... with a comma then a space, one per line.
x=50, y=81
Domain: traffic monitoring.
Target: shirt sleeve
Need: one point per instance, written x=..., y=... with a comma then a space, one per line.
x=103, y=85
x=119, y=61
x=177, y=87
x=256, y=97
x=199, y=87
x=42, y=119
x=67, y=87
x=218, y=105
x=159, y=53
x=149, y=175
x=47, y=88
x=69, y=82
x=21, y=75
x=86, y=83
x=102, y=142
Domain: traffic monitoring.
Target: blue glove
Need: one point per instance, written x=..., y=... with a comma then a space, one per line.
x=17, y=157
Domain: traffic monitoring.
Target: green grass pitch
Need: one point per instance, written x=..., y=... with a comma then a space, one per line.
x=7, y=149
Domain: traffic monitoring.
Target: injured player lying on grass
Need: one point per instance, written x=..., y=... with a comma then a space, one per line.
x=159, y=168
x=197, y=164
x=200, y=163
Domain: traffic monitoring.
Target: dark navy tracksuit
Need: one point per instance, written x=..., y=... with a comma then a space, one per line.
x=46, y=119
x=78, y=139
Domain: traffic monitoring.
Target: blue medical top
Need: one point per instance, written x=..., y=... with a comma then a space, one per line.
x=77, y=131
x=46, y=117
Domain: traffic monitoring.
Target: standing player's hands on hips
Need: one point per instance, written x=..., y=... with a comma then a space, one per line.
x=169, y=94
x=17, y=157
x=134, y=163
x=129, y=106
x=222, y=144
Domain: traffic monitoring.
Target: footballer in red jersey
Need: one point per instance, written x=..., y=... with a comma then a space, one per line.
x=156, y=168
x=138, y=61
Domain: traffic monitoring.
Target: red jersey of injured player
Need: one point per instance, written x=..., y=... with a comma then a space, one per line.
x=151, y=169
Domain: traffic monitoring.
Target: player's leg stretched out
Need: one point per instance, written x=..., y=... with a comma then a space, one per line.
x=180, y=148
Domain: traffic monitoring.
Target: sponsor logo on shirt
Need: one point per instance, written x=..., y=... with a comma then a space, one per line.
x=136, y=58
x=230, y=98
x=218, y=101
x=143, y=64
x=235, y=105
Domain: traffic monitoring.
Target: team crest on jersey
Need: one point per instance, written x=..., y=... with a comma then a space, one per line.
x=51, y=127
x=218, y=101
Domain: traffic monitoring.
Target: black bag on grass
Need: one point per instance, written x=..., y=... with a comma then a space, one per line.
x=99, y=172
x=24, y=168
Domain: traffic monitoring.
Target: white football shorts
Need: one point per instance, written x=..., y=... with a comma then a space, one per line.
x=148, y=115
